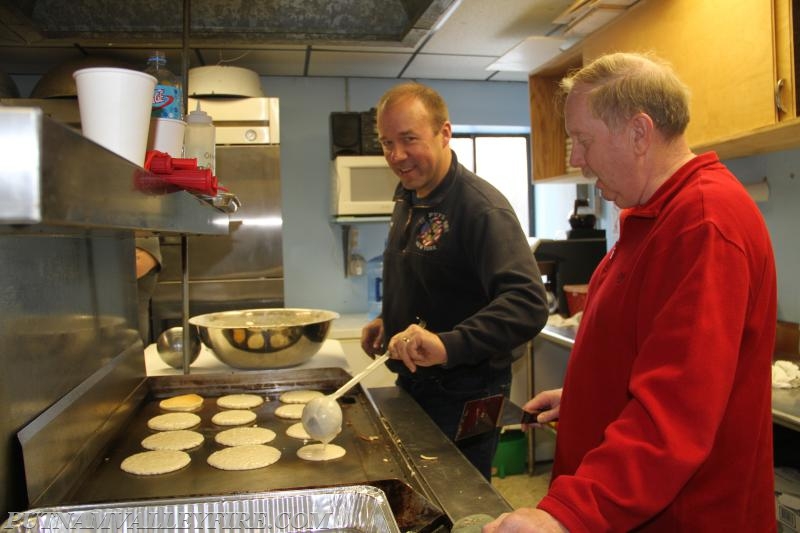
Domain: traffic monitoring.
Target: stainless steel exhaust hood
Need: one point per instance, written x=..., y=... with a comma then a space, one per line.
x=89, y=23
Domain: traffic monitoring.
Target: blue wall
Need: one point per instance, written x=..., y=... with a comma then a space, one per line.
x=782, y=170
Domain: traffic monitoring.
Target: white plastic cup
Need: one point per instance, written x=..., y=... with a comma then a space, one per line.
x=166, y=135
x=115, y=106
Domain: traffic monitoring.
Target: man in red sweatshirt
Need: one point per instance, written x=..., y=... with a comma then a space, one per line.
x=665, y=414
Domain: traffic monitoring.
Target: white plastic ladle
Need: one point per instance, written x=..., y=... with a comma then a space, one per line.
x=322, y=416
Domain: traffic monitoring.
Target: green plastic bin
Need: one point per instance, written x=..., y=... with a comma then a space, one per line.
x=511, y=456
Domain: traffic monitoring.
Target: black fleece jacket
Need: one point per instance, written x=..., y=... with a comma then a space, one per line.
x=459, y=260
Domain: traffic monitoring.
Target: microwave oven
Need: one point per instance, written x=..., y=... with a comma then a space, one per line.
x=362, y=185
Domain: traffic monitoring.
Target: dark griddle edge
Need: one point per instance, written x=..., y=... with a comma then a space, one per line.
x=458, y=487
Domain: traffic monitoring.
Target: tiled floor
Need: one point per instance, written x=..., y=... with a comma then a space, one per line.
x=523, y=490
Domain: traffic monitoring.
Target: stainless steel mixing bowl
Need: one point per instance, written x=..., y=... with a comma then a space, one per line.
x=169, y=346
x=258, y=339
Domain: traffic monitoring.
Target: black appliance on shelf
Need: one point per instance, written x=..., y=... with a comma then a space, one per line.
x=567, y=262
x=354, y=133
x=582, y=221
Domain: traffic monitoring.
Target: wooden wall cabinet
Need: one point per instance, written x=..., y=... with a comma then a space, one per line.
x=548, y=135
x=737, y=58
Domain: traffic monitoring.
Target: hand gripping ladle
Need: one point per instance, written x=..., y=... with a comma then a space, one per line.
x=322, y=416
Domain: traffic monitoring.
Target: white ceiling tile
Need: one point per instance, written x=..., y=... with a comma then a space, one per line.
x=593, y=20
x=356, y=64
x=449, y=67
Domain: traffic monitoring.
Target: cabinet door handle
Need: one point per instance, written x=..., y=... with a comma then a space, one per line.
x=778, y=102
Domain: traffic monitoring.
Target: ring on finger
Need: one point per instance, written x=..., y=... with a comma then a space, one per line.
x=406, y=339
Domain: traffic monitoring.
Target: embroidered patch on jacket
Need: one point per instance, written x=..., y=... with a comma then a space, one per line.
x=430, y=231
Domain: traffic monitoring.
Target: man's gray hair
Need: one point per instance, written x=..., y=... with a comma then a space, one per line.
x=620, y=85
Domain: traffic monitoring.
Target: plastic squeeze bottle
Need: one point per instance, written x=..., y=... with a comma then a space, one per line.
x=200, y=138
x=374, y=286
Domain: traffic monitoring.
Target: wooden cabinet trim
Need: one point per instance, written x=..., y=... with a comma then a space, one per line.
x=548, y=136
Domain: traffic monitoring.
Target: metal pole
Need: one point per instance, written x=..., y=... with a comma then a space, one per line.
x=185, y=55
x=187, y=342
x=187, y=349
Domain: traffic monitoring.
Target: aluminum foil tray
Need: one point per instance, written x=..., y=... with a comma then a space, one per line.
x=355, y=509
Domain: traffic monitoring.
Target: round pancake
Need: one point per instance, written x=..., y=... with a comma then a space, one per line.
x=299, y=396
x=181, y=439
x=320, y=452
x=297, y=431
x=155, y=462
x=244, y=457
x=292, y=411
x=184, y=402
x=244, y=436
x=239, y=401
x=234, y=417
x=173, y=421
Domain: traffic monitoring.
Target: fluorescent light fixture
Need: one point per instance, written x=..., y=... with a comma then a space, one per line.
x=446, y=15
x=529, y=55
x=593, y=20
x=576, y=10
x=618, y=3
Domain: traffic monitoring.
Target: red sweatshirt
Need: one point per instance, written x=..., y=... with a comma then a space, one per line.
x=665, y=420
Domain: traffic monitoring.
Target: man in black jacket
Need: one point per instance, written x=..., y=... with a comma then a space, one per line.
x=461, y=288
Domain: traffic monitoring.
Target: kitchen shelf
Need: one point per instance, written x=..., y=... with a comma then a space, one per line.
x=54, y=177
x=570, y=178
x=347, y=240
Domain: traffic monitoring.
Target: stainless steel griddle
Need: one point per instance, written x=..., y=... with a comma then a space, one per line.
x=390, y=445
x=373, y=455
x=370, y=453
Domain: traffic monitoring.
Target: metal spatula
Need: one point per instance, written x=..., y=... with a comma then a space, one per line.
x=480, y=416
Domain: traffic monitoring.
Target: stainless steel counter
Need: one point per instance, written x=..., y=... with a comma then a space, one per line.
x=562, y=336
x=330, y=355
x=549, y=356
x=785, y=402
x=786, y=408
